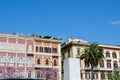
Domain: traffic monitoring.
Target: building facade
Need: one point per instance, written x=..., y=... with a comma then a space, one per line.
x=73, y=48
x=30, y=56
x=47, y=58
x=15, y=61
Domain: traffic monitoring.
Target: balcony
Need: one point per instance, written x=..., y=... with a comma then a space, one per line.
x=105, y=69
x=108, y=58
x=42, y=66
x=87, y=68
x=95, y=68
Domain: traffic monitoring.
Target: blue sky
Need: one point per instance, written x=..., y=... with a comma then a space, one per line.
x=92, y=20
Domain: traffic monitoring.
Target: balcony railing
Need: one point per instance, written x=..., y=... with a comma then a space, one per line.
x=101, y=69
x=106, y=69
x=108, y=58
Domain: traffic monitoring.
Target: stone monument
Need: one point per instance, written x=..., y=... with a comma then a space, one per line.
x=71, y=69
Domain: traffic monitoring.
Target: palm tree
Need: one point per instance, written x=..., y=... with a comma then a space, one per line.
x=92, y=55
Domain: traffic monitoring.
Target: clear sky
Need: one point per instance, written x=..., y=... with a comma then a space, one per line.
x=91, y=20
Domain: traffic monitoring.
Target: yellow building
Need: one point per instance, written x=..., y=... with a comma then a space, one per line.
x=73, y=48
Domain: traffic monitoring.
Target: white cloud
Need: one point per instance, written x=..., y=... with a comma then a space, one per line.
x=115, y=22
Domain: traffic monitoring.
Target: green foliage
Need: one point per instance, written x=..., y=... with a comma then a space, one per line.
x=115, y=75
x=92, y=55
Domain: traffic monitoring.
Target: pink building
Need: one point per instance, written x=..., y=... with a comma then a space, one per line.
x=16, y=56
x=47, y=58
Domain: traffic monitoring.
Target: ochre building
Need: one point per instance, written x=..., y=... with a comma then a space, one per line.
x=73, y=49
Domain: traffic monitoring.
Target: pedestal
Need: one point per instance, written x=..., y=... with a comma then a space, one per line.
x=71, y=69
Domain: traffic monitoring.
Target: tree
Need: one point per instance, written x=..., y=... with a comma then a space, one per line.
x=92, y=55
x=115, y=75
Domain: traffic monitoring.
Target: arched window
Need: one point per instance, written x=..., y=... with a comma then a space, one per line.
x=47, y=62
x=2, y=59
x=55, y=62
x=38, y=61
x=102, y=75
x=108, y=64
x=95, y=76
x=20, y=73
x=87, y=75
x=36, y=48
x=20, y=60
x=107, y=54
x=11, y=59
x=114, y=55
x=29, y=74
x=102, y=64
x=29, y=60
x=115, y=65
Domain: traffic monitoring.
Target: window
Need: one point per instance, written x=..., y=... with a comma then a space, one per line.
x=29, y=74
x=2, y=59
x=114, y=55
x=38, y=74
x=102, y=64
x=20, y=73
x=55, y=62
x=95, y=76
x=47, y=62
x=11, y=59
x=30, y=60
x=102, y=75
x=108, y=65
x=11, y=73
x=38, y=61
x=40, y=49
x=107, y=54
x=47, y=50
x=20, y=60
x=36, y=48
x=87, y=75
x=115, y=65
x=54, y=50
